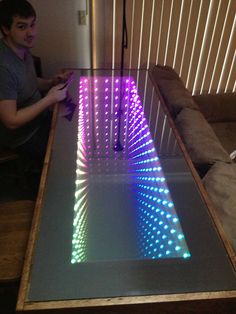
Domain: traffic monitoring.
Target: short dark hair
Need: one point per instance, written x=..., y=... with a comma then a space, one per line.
x=11, y=8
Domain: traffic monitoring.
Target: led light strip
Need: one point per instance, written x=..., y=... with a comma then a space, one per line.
x=160, y=235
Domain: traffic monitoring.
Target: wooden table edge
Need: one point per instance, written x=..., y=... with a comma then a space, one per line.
x=118, y=301
x=23, y=290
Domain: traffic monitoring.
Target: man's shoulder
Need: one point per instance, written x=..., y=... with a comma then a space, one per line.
x=3, y=48
x=8, y=67
x=7, y=58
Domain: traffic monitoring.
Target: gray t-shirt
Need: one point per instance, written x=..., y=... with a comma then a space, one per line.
x=18, y=81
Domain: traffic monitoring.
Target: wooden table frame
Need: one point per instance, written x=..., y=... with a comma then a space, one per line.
x=194, y=302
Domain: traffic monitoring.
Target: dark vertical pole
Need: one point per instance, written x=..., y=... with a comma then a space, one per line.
x=124, y=37
x=124, y=44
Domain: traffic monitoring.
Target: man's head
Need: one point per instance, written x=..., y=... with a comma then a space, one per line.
x=17, y=23
x=14, y=8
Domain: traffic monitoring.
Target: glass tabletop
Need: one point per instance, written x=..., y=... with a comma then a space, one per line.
x=122, y=214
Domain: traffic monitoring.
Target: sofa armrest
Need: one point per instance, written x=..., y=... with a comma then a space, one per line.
x=172, y=89
x=217, y=107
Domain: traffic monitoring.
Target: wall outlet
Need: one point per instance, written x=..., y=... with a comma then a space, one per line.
x=82, y=18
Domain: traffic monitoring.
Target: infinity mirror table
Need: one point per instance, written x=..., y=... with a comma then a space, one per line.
x=120, y=220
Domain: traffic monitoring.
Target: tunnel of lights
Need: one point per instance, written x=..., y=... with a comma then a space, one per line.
x=111, y=111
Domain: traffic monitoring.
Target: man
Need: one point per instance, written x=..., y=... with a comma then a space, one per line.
x=24, y=114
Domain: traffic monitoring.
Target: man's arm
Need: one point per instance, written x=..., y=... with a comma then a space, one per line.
x=44, y=84
x=13, y=118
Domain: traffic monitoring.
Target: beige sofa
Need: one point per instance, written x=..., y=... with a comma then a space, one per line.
x=207, y=125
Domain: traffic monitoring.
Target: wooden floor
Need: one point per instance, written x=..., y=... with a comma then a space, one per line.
x=8, y=297
x=15, y=182
x=12, y=188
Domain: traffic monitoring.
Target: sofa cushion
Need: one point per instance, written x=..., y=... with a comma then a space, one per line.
x=220, y=184
x=201, y=142
x=176, y=96
x=226, y=133
x=217, y=107
x=172, y=89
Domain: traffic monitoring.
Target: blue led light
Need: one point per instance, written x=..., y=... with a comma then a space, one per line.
x=152, y=188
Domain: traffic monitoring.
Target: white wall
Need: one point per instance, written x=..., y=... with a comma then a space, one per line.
x=61, y=41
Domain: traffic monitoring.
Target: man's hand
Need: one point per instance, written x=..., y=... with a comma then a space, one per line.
x=57, y=93
x=63, y=77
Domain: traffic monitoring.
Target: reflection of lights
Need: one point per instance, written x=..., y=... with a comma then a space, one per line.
x=160, y=234
x=80, y=207
x=104, y=103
